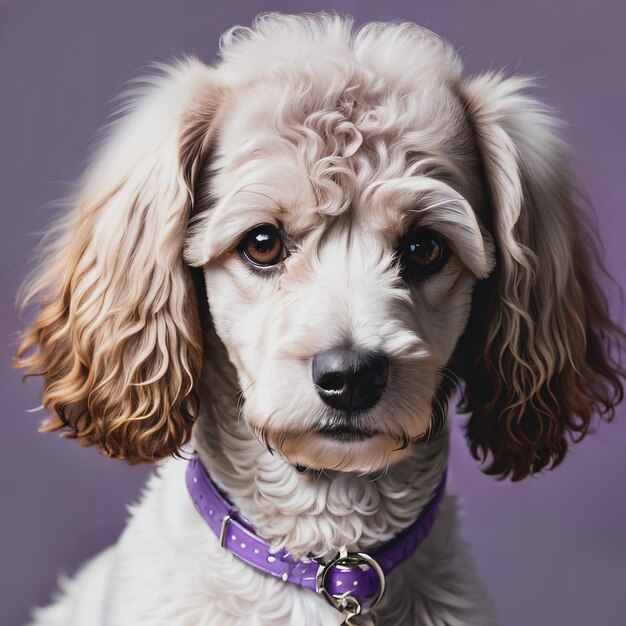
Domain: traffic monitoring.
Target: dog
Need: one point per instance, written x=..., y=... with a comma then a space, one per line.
x=272, y=276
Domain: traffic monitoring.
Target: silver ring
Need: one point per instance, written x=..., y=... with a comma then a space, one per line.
x=350, y=559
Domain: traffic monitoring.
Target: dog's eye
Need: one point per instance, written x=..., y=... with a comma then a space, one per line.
x=422, y=252
x=263, y=246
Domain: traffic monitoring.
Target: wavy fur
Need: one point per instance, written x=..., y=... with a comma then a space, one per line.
x=542, y=357
x=152, y=322
x=117, y=338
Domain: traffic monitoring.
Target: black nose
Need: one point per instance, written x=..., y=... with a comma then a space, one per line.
x=349, y=380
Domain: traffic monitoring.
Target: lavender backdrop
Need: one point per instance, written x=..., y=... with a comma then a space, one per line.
x=553, y=549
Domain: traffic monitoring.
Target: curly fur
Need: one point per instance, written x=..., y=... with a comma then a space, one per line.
x=541, y=361
x=344, y=139
x=117, y=338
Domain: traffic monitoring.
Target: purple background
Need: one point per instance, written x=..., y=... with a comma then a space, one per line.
x=552, y=549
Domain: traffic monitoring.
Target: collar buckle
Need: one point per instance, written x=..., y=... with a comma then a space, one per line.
x=223, y=529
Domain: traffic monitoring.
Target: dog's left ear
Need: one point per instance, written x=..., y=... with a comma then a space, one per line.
x=539, y=355
x=117, y=338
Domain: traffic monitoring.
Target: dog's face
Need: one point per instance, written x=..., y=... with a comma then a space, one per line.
x=370, y=223
x=341, y=247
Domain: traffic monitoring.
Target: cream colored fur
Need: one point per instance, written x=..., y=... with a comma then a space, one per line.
x=345, y=139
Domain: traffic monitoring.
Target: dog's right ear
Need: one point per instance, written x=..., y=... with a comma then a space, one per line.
x=117, y=337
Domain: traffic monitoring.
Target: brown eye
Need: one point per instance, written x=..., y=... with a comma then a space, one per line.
x=263, y=246
x=422, y=252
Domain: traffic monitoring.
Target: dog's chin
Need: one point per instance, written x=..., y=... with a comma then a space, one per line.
x=342, y=451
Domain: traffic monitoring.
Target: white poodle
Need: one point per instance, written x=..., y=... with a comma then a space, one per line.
x=290, y=259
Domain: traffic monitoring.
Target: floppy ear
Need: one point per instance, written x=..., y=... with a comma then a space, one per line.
x=117, y=338
x=539, y=355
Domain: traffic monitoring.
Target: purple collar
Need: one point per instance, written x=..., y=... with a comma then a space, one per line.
x=350, y=582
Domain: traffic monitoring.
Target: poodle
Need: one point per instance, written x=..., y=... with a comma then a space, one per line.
x=271, y=278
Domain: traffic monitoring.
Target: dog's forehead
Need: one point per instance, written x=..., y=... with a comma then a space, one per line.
x=313, y=145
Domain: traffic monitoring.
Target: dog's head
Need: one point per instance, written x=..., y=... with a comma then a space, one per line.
x=370, y=224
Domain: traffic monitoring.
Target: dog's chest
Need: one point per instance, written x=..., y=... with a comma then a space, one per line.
x=169, y=569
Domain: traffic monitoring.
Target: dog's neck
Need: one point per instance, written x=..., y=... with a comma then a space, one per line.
x=309, y=513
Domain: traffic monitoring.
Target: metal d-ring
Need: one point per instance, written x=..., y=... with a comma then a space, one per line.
x=345, y=603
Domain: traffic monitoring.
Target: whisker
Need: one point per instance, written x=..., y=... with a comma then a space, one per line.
x=241, y=400
x=449, y=375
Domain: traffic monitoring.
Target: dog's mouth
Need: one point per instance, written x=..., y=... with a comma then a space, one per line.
x=341, y=446
x=347, y=432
